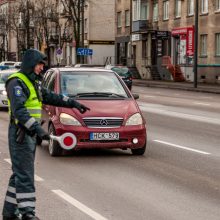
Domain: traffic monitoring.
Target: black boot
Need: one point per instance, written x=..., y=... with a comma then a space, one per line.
x=10, y=218
x=30, y=217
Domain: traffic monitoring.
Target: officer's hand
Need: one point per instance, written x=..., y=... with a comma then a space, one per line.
x=82, y=108
x=41, y=133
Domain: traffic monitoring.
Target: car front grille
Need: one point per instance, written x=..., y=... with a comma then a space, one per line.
x=101, y=122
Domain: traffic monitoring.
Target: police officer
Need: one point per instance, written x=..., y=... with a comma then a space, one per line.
x=25, y=98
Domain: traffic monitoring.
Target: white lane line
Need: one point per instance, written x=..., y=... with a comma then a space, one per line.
x=182, y=147
x=79, y=205
x=200, y=103
x=161, y=110
x=147, y=96
x=37, y=178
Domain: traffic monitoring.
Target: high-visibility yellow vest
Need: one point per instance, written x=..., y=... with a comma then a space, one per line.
x=33, y=105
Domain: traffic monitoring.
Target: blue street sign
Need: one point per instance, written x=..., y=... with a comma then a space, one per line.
x=59, y=51
x=84, y=52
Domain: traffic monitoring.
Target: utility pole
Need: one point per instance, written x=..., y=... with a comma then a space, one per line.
x=195, y=66
x=28, y=24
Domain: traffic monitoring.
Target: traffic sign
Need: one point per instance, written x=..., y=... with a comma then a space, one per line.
x=59, y=51
x=84, y=52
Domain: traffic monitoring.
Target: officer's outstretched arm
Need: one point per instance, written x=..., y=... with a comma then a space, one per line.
x=51, y=98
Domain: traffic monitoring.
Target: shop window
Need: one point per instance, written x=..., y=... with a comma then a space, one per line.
x=165, y=10
x=217, y=5
x=191, y=7
x=203, y=45
x=178, y=8
x=204, y=6
x=119, y=19
x=127, y=18
x=155, y=11
x=217, y=44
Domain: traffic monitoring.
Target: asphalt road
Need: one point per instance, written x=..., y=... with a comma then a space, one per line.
x=177, y=178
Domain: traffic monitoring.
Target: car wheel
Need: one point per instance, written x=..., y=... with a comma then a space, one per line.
x=139, y=151
x=39, y=141
x=54, y=147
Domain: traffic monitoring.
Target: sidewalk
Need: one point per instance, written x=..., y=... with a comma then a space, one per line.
x=188, y=86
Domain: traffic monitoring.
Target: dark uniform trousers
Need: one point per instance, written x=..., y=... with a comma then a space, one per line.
x=20, y=196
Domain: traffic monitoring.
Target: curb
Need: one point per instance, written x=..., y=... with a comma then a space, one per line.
x=176, y=88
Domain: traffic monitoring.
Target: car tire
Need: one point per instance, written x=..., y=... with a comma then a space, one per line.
x=54, y=147
x=139, y=151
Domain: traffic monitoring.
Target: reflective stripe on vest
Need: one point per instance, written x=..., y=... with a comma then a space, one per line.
x=32, y=104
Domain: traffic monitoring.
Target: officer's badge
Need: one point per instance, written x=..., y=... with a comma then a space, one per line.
x=18, y=91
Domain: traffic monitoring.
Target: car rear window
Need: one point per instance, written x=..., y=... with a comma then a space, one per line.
x=73, y=83
x=9, y=64
x=122, y=71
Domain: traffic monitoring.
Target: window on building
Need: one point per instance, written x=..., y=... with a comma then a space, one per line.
x=190, y=7
x=127, y=18
x=144, y=10
x=217, y=5
x=217, y=44
x=135, y=8
x=165, y=10
x=203, y=45
x=178, y=8
x=119, y=19
x=204, y=6
x=155, y=11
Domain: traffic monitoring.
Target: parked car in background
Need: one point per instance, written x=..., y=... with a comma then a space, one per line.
x=123, y=72
x=114, y=121
x=4, y=68
x=17, y=65
x=10, y=64
x=3, y=94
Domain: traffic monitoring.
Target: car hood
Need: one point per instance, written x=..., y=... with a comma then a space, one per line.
x=106, y=108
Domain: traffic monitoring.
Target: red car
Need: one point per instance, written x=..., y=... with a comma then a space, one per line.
x=114, y=121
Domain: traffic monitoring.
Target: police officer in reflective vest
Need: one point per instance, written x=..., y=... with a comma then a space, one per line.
x=25, y=98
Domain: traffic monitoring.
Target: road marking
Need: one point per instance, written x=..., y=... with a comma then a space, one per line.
x=79, y=205
x=37, y=178
x=147, y=96
x=164, y=110
x=200, y=103
x=182, y=147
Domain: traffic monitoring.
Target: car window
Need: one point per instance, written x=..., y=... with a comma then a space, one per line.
x=46, y=78
x=51, y=83
x=9, y=64
x=73, y=83
x=4, y=77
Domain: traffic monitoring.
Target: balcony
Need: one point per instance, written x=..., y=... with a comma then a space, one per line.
x=141, y=26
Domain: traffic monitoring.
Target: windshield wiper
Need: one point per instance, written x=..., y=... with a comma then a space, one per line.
x=102, y=94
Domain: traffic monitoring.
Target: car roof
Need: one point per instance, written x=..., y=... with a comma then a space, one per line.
x=8, y=71
x=75, y=69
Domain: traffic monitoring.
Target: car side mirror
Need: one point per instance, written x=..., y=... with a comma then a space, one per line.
x=136, y=96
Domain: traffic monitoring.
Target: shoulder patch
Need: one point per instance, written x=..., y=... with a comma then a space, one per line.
x=18, y=91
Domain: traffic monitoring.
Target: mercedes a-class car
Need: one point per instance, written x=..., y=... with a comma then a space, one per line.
x=114, y=121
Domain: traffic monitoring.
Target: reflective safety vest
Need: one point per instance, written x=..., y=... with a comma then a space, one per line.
x=32, y=104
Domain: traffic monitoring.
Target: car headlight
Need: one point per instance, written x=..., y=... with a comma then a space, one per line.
x=135, y=119
x=66, y=119
x=3, y=92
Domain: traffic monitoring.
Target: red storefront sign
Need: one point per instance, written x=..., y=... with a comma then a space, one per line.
x=188, y=34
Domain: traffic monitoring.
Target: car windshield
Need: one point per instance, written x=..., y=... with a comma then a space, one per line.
x=122, y=71
x=4, y=77
x=92, y=84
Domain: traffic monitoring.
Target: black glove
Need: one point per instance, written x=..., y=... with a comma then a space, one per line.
x=82, y=108
x=41, y=133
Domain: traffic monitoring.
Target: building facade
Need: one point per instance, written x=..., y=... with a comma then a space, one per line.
x=99, y=31
x=168, y=29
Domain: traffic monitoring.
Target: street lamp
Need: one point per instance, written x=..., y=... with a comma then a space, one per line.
x=195, y=66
